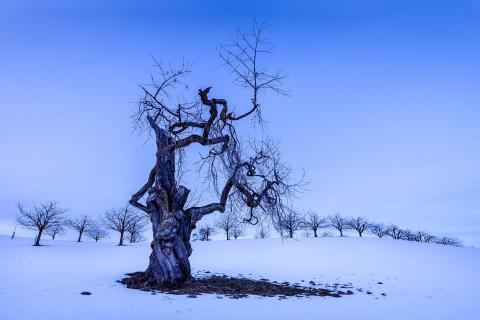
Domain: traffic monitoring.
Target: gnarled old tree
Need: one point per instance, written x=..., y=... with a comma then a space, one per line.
x=248, y=174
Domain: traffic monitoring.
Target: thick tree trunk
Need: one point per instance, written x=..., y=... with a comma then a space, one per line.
x=315, y=233
x=80, y=236
x=341, y=232
x=171, y=223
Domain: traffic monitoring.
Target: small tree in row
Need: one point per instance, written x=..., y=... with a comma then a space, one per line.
x=54, y=230
x=97, y=232
x=238, y=230
x=378, y=229
x=290, y=222
x=136, y=227
x=262, y=230
x=314, y=222
x=119, y=220
x=40, y=218
x=359, y=224
x=227, y=221
x=204, y=233
x=338, y=222
x=81, y=225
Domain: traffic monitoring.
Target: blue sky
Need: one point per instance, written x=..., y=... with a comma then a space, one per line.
x=383, y=114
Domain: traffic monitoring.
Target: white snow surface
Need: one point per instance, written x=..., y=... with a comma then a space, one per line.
x=421, y=281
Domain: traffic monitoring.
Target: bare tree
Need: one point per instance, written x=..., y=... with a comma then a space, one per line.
x=314, y=222
x=249, y=174
x=40, y=217
x=97, y=232
x=205, y=232
x=13, y=233
x=80, y=224
x=55, y=230
x=262, y=230
x=136, y=228
x=420, y=236
x=359, y=224
x=378, y=229
x=118, y=220
x=338, y=222
x=238, y=230
x=408, y=235
x=449, y=241
x=226, y=222
x=428, y=238
x=395, y=232
x=290, y=222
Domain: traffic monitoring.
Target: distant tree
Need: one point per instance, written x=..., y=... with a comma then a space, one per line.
x=420, y=236
x=195, y=236
x=262, y=230
x=290, y=222
x=97, y=232
x=326, y=235
x=205, y=232
x=80, y=224
x=40, y=218
x=314, y=222
x=136, y=227
x=55, y=230
x=226, y=222
x=428, y=238
x=118, y=220
x=359, y=224
x=406, y=234
x=13, y=233
x=238, y=230
x=449, y=241
x=338, y=222
x=395, y=232
x=378, y=229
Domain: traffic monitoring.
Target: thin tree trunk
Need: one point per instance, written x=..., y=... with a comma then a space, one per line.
x=37, y=239
x=120, y=243
x=315, y=233
x=341, y=232
x=79, y=236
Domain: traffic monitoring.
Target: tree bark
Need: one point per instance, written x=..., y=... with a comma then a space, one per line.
x=172, y=224
x=315, y=233
x=80, y=236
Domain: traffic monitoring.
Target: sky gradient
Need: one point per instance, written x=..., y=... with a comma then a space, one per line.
x=383, y=115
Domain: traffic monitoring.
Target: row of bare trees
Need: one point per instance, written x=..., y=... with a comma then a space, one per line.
x=293, y=221
x=48, y=218
x=231, y=224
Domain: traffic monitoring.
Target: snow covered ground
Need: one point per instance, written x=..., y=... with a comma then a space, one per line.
x=421, y=281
